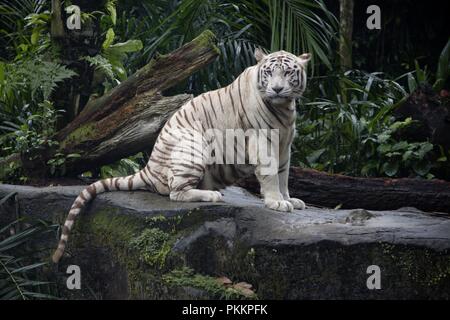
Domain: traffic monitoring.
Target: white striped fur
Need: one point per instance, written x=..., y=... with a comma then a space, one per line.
x=262, y=97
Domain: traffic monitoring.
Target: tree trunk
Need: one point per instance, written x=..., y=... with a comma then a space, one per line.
x=345, y=34
x=72, y=45
x=331, y=190
x=56, y=23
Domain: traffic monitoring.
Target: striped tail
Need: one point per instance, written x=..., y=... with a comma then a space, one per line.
x=132, y=182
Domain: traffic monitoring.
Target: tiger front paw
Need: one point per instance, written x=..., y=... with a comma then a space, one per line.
x=215, y=196
x=279, y=205
x=211, y=196
x=297, y=203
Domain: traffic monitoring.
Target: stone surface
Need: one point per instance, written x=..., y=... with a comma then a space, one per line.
x=128, y=245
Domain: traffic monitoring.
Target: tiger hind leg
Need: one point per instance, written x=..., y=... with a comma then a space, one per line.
x=187, y=169
x=184, y=186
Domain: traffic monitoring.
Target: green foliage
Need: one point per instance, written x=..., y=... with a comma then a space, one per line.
x=20, y=269
x=421, y=76
x=186, y=277
x=116, y=54
x=296, y=27
x=123, y=167
x=109, y=63
x=21, y=25
x=34, y=132
x=388, y=156
x=102, y=65
x=240, y=26
x=27, y=83
x=443, y=70
x=111, y=9
x=344, y=123
x=57, y=164
x=27, y=116
x=153, y=245
x=347, y=127
x=38, y=23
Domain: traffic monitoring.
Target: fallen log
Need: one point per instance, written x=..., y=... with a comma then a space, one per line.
x=136, y=133
x=332, y=190
x=127, y=119
x=161, y=73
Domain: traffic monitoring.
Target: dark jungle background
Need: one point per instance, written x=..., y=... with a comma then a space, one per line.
x=376, y=105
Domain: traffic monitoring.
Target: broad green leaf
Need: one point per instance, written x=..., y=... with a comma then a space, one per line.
x=73, y=155
x=420, y=74
x=2, y=72
x=35, y=36
x=390, y=168
x=407, y=155
x=412, y=84
x=424, y=149
x=111, y=8
x=128, y=46
x=109, y=39
x=384, y=148
x=422, y=167
x=400, y=146
x=383, y=137
x=313, y=157
x=443, y=69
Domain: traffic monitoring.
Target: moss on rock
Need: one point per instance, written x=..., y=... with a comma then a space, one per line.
x=153, y=245
x=186, y=277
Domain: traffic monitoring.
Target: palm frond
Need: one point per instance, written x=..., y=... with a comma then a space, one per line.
x=297, y=27
x=18, y=272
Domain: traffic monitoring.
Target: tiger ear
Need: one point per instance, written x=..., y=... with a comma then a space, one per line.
x=259, y=54
x=304, y=58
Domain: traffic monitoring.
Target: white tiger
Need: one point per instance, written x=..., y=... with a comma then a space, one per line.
x=262, y=97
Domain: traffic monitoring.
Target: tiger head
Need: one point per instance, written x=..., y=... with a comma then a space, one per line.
x=281, y=75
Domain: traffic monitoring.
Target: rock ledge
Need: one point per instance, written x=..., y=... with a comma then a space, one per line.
x=141, y=245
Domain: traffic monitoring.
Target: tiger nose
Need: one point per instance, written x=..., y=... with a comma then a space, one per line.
x=277, y=89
